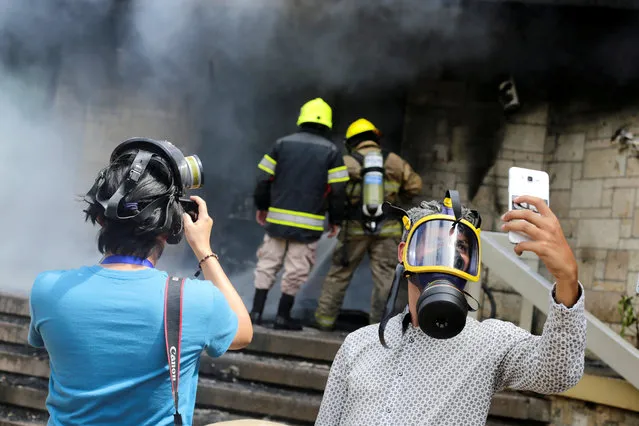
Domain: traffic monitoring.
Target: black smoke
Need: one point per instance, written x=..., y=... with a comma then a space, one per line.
x=244, y=67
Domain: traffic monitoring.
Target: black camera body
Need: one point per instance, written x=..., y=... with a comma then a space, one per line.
x=190, y=207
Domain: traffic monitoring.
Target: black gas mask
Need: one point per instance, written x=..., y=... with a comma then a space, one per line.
x=185, y=173
x=442, y=252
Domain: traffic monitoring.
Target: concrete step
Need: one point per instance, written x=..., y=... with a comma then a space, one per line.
x=23, y=391
x=264, y=369
x=233, y=386
x=500, y=421
x=31, y=393
x=14, y=305
x=235, y=369
x=17, y=416
x=514, y=406
x=262, y=400
x=20, y=359
x=265, y=381
x=308, y=344
x=259, y=399
x=510, y=407
x=207, y=416
x=13, y=329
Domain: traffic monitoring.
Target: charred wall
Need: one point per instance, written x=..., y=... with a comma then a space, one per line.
x=458, y=138
x=575, y=89
x=227, y=79
x=593, y=183
x=594, y=191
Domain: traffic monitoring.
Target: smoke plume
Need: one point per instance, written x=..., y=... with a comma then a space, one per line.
x=238, y=71
x=243, y=68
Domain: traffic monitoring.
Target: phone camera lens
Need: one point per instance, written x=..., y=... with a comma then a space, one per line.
x=529, y=178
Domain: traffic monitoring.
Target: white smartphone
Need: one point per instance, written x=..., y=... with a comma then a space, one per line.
x=526, y=182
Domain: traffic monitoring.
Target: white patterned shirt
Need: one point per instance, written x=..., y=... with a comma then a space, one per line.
x=420, y=380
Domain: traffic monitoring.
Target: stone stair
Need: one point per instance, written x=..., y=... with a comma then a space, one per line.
x=279, y=377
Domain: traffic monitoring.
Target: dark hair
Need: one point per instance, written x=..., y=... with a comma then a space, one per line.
x=133, y=238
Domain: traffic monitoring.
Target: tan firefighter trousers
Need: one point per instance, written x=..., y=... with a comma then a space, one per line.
x=383, y=260
x=298, y=260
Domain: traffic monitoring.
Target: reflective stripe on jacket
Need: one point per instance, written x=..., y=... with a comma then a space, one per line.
x=301, y=183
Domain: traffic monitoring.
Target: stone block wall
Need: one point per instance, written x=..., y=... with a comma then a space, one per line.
x=594, y=193
x=593, y=185
x=572, y=412
x=523, y=146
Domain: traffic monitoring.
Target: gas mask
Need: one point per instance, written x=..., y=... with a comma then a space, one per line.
x=185, y=173
x=441, y=254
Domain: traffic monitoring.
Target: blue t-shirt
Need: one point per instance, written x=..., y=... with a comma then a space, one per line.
x=104, y=332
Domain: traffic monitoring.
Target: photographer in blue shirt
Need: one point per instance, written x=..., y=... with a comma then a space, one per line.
x=103, y=325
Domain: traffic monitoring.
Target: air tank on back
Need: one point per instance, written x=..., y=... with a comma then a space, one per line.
x=373, y=179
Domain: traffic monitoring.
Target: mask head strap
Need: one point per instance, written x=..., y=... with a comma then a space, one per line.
x=165, y=153
x=452, y=206
x=470, y=308
x=393, y=213
x=453, y=202
x=136, y=170
x=91, y=196
x=390, y=303
x=138, y=167
x=476, y=219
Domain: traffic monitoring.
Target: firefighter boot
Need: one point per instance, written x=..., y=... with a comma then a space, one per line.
x=283, y=320
x=258, y=306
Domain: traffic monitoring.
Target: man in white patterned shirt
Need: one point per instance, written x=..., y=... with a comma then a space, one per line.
x=421, y=380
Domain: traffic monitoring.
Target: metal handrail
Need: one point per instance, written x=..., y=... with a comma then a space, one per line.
x=616, y=352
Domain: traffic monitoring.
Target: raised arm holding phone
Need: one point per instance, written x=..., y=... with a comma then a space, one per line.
x=547, y=241
x=431, y=364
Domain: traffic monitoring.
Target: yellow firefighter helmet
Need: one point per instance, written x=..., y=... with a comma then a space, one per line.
x=360, y=126
x=316, y=111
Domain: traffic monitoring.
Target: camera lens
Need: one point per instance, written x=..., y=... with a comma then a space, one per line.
x=529, y=178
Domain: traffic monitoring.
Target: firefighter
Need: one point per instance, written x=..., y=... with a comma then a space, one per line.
x=302, y=180
x=376, y=175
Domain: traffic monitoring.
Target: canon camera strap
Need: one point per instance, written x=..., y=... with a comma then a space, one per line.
x=173, y=336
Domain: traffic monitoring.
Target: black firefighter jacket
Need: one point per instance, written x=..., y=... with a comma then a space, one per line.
x=300, y=180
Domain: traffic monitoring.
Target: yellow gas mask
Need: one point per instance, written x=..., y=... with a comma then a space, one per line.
x=442, y=252
x=444, y=243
